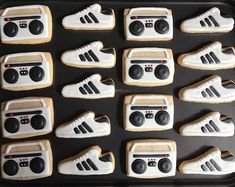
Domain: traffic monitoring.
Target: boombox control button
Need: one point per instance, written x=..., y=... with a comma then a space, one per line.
x=24, y=72
x=10, y=29
x=37, y=165
x=38, y=122
x=24, y=164
x=136, y=28
x=139, y=166
x=23, y=25
x=148, y=25
x=11, y=76
x=36, y=74
x=24, y=121
x=161, y=26
x=162, y=118
x=149, y=116
x=12, y=125
x=137, y=119
x=136, y=72
x=162, y=72
x=36, y=27
x=164, y=165
x=152, y=164
x=10, y=167
x=148, y=69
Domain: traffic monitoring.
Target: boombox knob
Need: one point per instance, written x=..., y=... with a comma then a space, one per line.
x=12, y=125
x=162, y=118
x=137, y=118
x=11, y=76
x=139, y=166
x=10, y=167
x=36, y=27
x=37, y=165
x=161, y=26
x=136, y=28
x=136, y=72
x=162, y=72
x=164, y=165
x=38, y=122
x=36, y=74
x=10, y=29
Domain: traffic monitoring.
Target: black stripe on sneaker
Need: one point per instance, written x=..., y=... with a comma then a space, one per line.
x=93, y=17
x=92, y=54
x=85, y=165
x=81, y=89
x=81, y=128
x=214, y=21
x=203, y=94
x=208, y=91
x=209, y=128
x=204, y=168
x=202, y=23
x=88, y=19
x=214, y=91
x=203, y=129
x=214, y=126
x=92, y=165
x=87, y=127
x=215, y=165
x=209, y=59
x=87, y=89
x=79, y=166
x=82, y=58
x=76, y=130
x=211, y=168
x=82, y=20
x=208, y=22
x=203, y=59
x=88, y=57
x=215, y=58
x=93, y=87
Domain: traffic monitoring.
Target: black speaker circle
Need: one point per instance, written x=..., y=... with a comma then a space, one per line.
x=139, y=166
x=136, y=72
x=36, y=73
x=37, y=165
x=162, y=117
x=36, y=27
x=10, y=29
x=164, y=165
x=12, y=125
x=10, y=167
x=162, y=72
x=11, y=76
x=161, y=26
x=137, y=119
x=38, y=122
x=136, y=28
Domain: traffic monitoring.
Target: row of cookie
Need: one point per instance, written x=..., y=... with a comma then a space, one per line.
x=147, y=158
x=32, y=24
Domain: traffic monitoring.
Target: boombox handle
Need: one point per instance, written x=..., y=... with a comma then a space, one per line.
x=9, y=147
x=152, y=97
x=149, y=49
x=149, y=8
x=150, y=143
x=25, y=54
x=22, y=7
x=25, y=100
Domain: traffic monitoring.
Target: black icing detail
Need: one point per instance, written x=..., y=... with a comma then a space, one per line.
x=208, y=22
x=10, y=167
x=211, y=168
x=93, y=56
x=36, y=73
x=228, y=158
x=24, y=64
x=102, y=120
x=88, y=89
x=209, y=128
x=82, y=58
x=12, y=125
x=88, y=57
x=229, y=84
x=22, y=155
x=161, y=26
x=82, y=90
x=137, y=119
x=202, y=23
x=165, y=165
x=162, y=72
x=212, y=123
x=227, y=120
x=76, y=130
x=36, y=27
x=23, y=113
x=107, y=11
x=203, y=60
x=136, y=72
x=87, y=127
x=136, y=28
x=208, y=91
x=148, y=107
x=108, y=51
x=216, y=166
x=91, y=164
x=37, y=165
x=10, y=29
x=106, y=158
x=203, y=129
x=209, y=59
x=38, y=122
x=204, y=168
x=82, y=20
x=93, y=87
x=203, y=94
x=215, y=58
x=88, y=19
x=92, y=16
x=139, y=166
x=214, y=21
x=162, y=118
x=108, y=82
x=82, y=129
x=214, y=91
x=229, y=51
x=11, y=76
x=85, y=165
x=79, y=166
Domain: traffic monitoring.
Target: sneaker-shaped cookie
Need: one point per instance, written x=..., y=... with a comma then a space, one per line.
x=90, y=18
x=209, y=22
x=209, y=90
x=92, y=55
x=210, y=57
x=212, y=124
x=212, y=162
x=88, y=162
x=90, y=88
x=85, y=126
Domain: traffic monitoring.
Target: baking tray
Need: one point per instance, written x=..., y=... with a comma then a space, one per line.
x=67, y=109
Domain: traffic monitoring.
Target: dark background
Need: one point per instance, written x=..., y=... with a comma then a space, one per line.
x=67, y=109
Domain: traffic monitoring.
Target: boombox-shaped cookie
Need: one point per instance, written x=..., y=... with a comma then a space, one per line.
x=26, y=160
x=151, y=158
x=148, y=24
x=148, y=112
x=29, y=24
x=27, y=117
x=26, y=71
x=148, y=66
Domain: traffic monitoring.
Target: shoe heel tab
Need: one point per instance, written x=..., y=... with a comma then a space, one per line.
x=108, y=51
x=108, y=81
x=226, y=119
x=107, y=12
x=227, y=156
x=229, y=84
x=228, y=50
x=107, y=157
x=102, y=119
